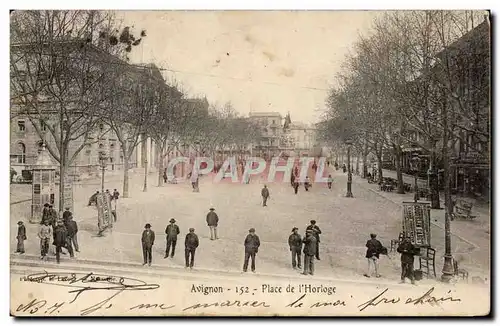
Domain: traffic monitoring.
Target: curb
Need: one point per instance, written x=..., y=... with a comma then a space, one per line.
x=162, y=271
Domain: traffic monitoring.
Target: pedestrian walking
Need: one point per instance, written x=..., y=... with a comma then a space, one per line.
x=21, y=236
x=45, y=234
x=45, y=212
x=165, y=177
x=265, y=195
x=296, y=186
x=407, y=251
x=295, y=243
x=61, y=240
x=336, y=165
x=307, y=183
x=373, y=250
x=190, y=243
x=310, y=245
x=171, y=231
x=194, y=181
x=116, y=194
x=330, y=181
x=292, y=180
x=344, y=168
x=212, y=222
x=252, y=244
x=147, y=240
x=72, y=228
x=316, y=232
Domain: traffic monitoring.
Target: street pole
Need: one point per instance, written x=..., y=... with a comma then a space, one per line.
x=349, y=172
x=102, y=176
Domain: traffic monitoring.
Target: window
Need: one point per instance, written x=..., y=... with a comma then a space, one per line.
x=43, y=125
x=21, y=157
x=21, y=125
x=101, y=127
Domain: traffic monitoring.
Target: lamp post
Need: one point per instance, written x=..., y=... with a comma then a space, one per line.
x=416, y=168
x=103, y=162
x=348, y=142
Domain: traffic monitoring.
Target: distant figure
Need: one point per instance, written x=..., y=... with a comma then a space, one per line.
x=374, y=249
x=330, y=181
x=109, y=195
x=307, y=183
x=344, y=168
x=147, y=240
x=295, y=243
x=45, y=212
x=171, y=231
x=165, y=177
x=265, y=195
x=310, y=245
x=212, y=222
x=190, y=244
x=21, y=236
x=315, y=167
x=93, y=199
x=316, y=232
x=252, y=244
x=45, y=234
x=195, y=181
x=296, y=186
x=116, y=194
x=407, y=251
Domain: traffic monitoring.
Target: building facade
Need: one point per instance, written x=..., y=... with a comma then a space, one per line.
x=271, y=128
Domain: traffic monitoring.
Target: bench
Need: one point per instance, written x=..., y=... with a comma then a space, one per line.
x=463, y=209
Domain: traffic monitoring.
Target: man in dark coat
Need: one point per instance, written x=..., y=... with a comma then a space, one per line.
x=45, y=213
x=316, y=232
x=252, y=244
x=309, y=252
x=21, y=236
x=407, y=251
x=147, y=240
x=296, y=185
x=295, y=243
x=265, y=195
x=93, y=199
x=373, y=250
x=61, y=240
x=191, y=243
x=212, y=222
x=72, y=229
x=171, y=231
x=116, y=194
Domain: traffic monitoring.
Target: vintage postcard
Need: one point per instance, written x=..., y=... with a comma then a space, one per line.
x=250, y=163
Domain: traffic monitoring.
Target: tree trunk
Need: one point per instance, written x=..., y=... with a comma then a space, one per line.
x=125, y=175
x=399, y=174
x=160, y=166
x=379, y=161
x=433, y=179
x=365, y=158
x=357, y=163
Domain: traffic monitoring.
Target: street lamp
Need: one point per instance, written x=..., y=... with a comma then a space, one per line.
x=103, y=158
x=415, y=162
x=348, y=142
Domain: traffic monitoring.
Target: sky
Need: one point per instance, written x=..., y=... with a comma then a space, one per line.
x=280, y=61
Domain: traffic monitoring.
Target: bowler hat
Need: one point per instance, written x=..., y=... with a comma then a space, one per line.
x=251, y=230
x=212, y=209
x=172, y=220
x=294, y=229
x=373, y=235
x=20, y=222
x=191, y=229
x=313, y=221
x=147, y=226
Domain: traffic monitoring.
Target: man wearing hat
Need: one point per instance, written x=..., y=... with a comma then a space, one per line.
x=265, y=195
x=295, y=243
x=67, y=213
x=316, y=232
x=45, y=213
x=373, y=251
x=212, y=222
x=310, y=243
x=45, y=234
x=61, y=240
x=148, y=239
x=252, y=244
x=407, y=251
x=191, y=243
x=171, y=231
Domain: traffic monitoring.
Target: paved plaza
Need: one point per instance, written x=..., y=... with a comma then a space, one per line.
x=345, y=223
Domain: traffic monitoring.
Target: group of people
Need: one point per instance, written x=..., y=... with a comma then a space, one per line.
x=112, y=196
x=407, y=250
x=61, y=231
x=309, y=245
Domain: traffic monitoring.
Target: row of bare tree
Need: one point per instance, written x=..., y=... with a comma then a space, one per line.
x=424, y=73
x=70, y=77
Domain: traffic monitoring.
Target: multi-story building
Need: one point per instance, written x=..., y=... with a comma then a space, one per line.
x=271, y=127
x=304, y=138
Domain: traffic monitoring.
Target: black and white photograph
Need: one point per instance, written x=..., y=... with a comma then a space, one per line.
x=250, y=163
